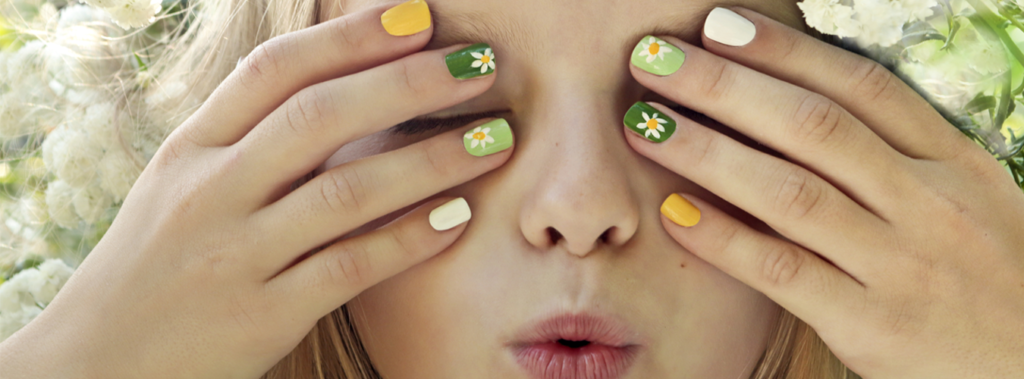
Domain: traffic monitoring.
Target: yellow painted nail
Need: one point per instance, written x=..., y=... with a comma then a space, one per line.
x=680, y=210
x=407, y=18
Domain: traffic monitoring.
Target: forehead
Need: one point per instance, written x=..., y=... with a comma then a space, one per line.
x=546, y=26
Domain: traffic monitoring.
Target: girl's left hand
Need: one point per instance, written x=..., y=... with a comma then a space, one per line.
x=899, y=240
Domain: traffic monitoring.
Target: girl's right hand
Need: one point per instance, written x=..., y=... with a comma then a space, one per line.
x=202, y=273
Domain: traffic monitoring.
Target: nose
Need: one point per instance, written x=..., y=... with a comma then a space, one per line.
x=581, y=195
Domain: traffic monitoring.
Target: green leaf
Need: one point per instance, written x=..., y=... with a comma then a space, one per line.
x=142, y=65
x=954, y=27
x=920, y=32
x=980, y=103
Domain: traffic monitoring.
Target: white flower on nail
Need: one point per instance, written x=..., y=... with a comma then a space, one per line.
x=480, y=136
x=483, y=61
x=652, y=125
x=654, y=48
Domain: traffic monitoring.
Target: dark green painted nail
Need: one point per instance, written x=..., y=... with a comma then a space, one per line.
x=473, y=61
x=649, y=122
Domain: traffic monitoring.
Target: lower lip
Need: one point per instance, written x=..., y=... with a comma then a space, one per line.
x=556, y=361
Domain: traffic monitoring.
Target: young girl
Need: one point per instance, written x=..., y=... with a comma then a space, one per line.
x=543, y=189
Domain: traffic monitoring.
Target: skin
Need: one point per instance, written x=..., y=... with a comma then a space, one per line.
x=880, y=208
x=572, y=171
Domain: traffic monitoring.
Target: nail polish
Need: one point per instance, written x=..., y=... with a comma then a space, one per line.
x=450, y=214
x=654, y=55
x=407, y=18
x=680, y=211
x=488, y=138
x=729, y=28
x=473, y=61
x=649, y=122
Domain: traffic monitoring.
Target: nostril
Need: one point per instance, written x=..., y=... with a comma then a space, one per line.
x=604, y=236
x=554, y=235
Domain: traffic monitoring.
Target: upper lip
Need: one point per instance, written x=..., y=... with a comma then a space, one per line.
x=582, y=326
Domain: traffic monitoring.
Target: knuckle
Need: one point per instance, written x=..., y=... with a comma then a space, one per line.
x=350, y=267
x=798, y=195
x=346, y=191
x=262, y=64
x=439, y=160
x=405, y=80
x=819, y=121
x=345, y=43
x=719, y=82
x=872, y=81
x=706, y=150
x=781, y=264
x=404, y=244
x=788, y=46
x=308, y=110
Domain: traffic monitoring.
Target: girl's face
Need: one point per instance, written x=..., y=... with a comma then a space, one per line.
x=571, y=223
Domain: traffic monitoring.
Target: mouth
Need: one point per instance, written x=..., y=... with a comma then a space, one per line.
x=575, y=346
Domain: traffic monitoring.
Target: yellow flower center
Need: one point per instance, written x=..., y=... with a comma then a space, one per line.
x=652, y=124
x=486, y=59
x=654, y=48
x=479, y=136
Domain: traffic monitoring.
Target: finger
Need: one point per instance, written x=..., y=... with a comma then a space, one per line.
x=795, y=278
x=805, y=126
x=313, y=124
x=332, y=276
x=347, y=196
x=865, y=88
x=793, y=201
x=280, y=67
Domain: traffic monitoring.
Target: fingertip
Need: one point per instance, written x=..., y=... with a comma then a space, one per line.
x=680, y=210
x=451, y=214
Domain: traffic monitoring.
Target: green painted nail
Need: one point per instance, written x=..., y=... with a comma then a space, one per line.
x=649, y=122
x=473, y=61
x=488, y=138
x=658, y=57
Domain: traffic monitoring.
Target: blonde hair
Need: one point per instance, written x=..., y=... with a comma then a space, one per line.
x=203, y=54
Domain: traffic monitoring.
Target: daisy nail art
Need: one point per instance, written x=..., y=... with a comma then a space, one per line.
x=488, y=138
x=649, y=122
x=473, y=61
x=656, y=56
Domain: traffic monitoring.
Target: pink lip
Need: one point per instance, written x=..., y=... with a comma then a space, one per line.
x=608, y=355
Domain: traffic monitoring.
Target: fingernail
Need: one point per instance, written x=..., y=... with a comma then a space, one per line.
x=649, y=122
x=727, y=27
x=680, y=211
x=473, y=61
x=658, y=57
x=407, y=18
x=450, y=214
x=488, y=138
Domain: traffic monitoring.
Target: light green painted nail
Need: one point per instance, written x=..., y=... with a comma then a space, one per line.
x=473, y=61
x=649, y=122
x=488, y=138
x=656, y=56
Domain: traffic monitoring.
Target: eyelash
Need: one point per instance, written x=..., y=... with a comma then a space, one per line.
x=424, y=125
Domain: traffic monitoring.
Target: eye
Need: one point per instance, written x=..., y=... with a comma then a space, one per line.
x=682, y=110
x=440, y=124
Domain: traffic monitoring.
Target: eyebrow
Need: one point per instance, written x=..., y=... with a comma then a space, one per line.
x=471, y=27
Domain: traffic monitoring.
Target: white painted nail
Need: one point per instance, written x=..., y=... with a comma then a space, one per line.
x=450, y=214
x=726, y=27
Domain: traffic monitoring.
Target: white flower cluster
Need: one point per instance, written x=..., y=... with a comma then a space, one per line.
x=29, y=292
x=59, y=85
x=129, y=13
x=77, y=123
x=869, y=21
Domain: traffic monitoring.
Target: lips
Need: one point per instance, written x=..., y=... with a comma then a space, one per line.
x=575, y=346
